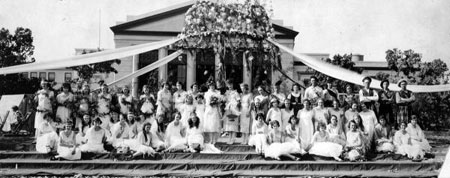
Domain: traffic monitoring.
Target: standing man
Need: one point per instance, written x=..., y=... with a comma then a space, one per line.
x=367, y=95
x=404, y=99
x=313, y=92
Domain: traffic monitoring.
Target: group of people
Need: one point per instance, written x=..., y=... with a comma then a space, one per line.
x=276, y=124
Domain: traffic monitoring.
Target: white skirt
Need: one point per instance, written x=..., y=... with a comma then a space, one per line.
x=275, y=150
x=385, y=147
x=259, y=141
x=412, y=151
x=92, y=147
x=177, y=143
x=326, y=149
x=63, y=113
x=211, y=119
x=46, y=140
x=66, y=153
x=210, y=148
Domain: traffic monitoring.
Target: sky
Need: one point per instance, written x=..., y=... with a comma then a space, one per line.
x=367, y=27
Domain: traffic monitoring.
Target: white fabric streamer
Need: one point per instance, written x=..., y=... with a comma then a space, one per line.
x=353, y=77
x=88, y=58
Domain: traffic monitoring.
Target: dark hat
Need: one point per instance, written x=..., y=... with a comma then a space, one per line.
x=401, y=81
x=367, y=78
x=384, y=81
x=98, y=120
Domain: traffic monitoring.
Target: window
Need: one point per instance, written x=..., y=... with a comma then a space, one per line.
x=43, y=75
x=67, y=77
x=51, y=76
x=33, y=75
x=25, y=74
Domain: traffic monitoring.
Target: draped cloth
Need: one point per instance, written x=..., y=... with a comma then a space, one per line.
x=353, y=77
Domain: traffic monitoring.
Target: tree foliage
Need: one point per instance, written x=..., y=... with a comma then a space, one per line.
x=16, y=49
x=86, y=72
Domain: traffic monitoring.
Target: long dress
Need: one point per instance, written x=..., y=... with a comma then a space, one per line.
x=164, y=98
x=47, y=138
x=212, y=116
x=174, y=139
x=200, y=112
x=63, y=112
x=259, y=137
x=369, y=120
x=416, y=134
x=94, y=142
x=103, y=109
x=403, y=145
x=44, y=106
x=245, y=121
x=322, y=146
x=66, y=152
x=306, y=127
x=383, y=138
x=186, y=110
x=232, y=112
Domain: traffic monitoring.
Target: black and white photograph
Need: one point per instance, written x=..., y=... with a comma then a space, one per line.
x=224, y=88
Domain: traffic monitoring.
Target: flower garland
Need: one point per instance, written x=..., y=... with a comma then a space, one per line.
x=229, y=27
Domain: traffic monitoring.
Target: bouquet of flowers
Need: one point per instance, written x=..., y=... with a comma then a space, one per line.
x=214, y=101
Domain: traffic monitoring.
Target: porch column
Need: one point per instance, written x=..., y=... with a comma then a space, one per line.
x=216, y=66
x=135, y=81
x=247, y=74
x=191, y=66
x=162, y=71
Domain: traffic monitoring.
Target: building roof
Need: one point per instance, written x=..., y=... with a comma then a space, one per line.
x=371, y=64
x=133, y=22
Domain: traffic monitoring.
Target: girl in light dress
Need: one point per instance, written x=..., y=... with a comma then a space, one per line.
x=65, y=101
x=68, y=148
x=47, y=137
x=321, y=113
x=245, y=121
x=306, y=124
x=143, y=146
x=258, y=139
x=120, y=132
x=126, y=101
x=212, y=115
x=277, y=148
x=200, y=108
x=83, y=127
x=179, y=97
x=339, y=113
x=354, y=148
x=274, y=113
x=383, y=136
x=286, y=113
x=44, y=98
x=103, y=106
x=417, y=136
x=146, y=104
x=136, y=124
x=369, y=120
x=336, y=133
x=158, y=134
x=404, y=145
x=164, y=100
x=186, y=109
x=95, y=138
x=322, y=145
x=195, y=139
x=361, y=128
x=232, y=112
x=175, y=135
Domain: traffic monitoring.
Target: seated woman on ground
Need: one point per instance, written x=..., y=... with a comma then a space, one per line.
x=83, y=127
x=195, y=139
x=142, y=144
x=120, y=131
x=175, y=133
x=335, y=131
x=322, y=145
x=276, y=149
x=158, y=134
x=68, y=148
x=259, y=134
x=95, y=138
x=355, y=148
x=46, y=140
x=404, y=145
x=383, y=136
x=360, y=127
x=417, y=136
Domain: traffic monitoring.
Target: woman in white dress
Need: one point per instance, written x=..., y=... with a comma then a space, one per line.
x=322, y=145
x=404, y=145
x=383, y=136
x=194, y=135
x=258, y=139
x=68, y=148
x=354, y=148
x=186, y=109
x=146, y=101
x=47, y=137
x=164, y=101
x=417, y=135
x=65, y=102
x=335, y=132
x=95, y=138
x=277, y=148
x=83, y=127
x=143, y=145
x=200, y=108
x=120, y=132
x=339, y=113
x=179, y=97
x=212, y=114
x=369, y=120
x=286, y=113
x=306, y=124
x=103, y=106
x=175, y=133
x=44, y=98
x=158, y=134
x=321, y=113
x=126, y=101
x=245, y=121
x=274, y=113
x=232, y=112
